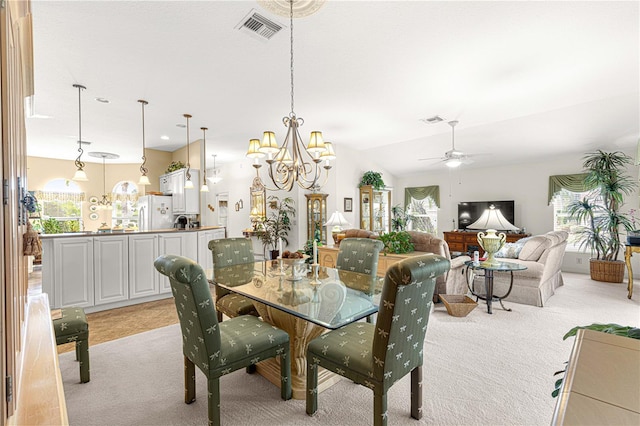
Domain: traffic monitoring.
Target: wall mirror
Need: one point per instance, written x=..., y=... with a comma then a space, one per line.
x=258, y=201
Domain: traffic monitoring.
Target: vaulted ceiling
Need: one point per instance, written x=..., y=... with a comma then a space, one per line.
x=525, y=79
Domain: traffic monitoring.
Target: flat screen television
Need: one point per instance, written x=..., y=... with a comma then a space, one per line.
x=469, y=212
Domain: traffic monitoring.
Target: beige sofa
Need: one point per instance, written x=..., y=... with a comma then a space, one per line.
x=453, y=282
x=542, y=255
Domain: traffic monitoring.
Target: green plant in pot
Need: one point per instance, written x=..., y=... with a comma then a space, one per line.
x=397, y=242
x=175, y=165
x=609, y=182
x=277, y=225
x=399, y=218
x=372, y=178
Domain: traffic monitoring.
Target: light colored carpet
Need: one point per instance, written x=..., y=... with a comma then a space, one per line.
x=479, y=370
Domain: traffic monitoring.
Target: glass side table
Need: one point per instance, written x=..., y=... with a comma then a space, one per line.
x=488, y=280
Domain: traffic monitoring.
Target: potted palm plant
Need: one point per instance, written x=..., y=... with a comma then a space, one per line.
x=608, y=181
x=277, y=225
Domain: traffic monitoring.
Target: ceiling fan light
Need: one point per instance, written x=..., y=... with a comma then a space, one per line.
x=453, y=163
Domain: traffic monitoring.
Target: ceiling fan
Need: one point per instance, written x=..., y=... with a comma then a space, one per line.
x=452, y=158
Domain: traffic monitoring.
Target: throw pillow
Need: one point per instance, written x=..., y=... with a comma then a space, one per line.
x=509, y=251
x=534, y=247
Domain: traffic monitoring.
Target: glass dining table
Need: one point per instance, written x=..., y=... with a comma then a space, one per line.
x=304, y=300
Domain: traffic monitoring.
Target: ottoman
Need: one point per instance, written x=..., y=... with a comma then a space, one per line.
x=73, y=327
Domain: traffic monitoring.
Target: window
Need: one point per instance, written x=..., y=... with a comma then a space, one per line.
x=125, y=205
x=564, y=190
x=61, y=207
x=421, y=205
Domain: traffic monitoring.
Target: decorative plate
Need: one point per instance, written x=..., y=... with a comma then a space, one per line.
x=93, y=216
x=93, y=200
x=93, y=207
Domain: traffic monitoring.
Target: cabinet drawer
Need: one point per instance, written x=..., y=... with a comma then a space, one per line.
x=455, y=237
x=456, y=246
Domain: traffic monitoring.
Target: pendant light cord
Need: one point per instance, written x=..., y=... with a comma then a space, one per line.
x=78, y=162
x=143, y=168
x=187, y=116
x=204, y=152
x=291, y=60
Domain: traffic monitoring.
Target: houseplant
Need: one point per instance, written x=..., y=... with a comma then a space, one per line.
x=608, y=181
x=372, y=178
x=175, y=165
x=278, y=224
x=399, y=218
x=397, y=242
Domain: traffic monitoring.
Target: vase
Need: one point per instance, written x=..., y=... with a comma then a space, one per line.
x=491, y=243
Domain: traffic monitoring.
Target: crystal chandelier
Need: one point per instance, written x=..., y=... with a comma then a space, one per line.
x=80, y=174
x=216, y=178
x=144, y=179
x=204, y=187
x=292, y=162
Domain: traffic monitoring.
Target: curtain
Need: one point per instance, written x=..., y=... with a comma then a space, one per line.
x=422, y=192
x=574, y=183
x=59, y=196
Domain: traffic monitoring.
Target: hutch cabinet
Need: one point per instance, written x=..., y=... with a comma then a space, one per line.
x=375, y=209
x=316, y=215
x=184, y=201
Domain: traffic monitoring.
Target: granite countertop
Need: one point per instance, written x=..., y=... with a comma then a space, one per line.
x=111, y=233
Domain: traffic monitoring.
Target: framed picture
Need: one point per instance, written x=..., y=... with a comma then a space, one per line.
x=348, y=204
x=93, y=200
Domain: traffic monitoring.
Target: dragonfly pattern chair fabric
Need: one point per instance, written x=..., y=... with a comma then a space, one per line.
x=360, y=255
x=378, y=355
x=230, y=252
x=72, y=326
x=218, y=348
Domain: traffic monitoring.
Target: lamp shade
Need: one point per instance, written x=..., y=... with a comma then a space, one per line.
x=254, y=149
x=329, y=153
x=316, y=143
x=269, y=144
x=337, y=219
x=492, y=218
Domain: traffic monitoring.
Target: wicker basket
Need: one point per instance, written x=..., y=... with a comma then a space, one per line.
x=458, y=305
x=609, y=271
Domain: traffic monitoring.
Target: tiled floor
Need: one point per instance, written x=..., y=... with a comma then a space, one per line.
x=120, y=322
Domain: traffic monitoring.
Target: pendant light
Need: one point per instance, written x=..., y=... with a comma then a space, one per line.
x=188, y=184
x=216, y=178
x=105, y=202
x=80, y=174
x=144, y=179
x=204, y=187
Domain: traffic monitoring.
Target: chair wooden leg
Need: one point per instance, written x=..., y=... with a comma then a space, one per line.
x=370, y=319
x=189, y=381
x=416, y=393
x=285, y=374
x=312, y=387
x=82, y=355
x=380, y=409
x=219, y=315
x=213, y=386
x=251, y=369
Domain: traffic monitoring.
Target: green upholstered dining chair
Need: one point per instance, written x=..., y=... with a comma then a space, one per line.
x=360, y=255
x=230, y=252
x=378, y=355
x=218, y=348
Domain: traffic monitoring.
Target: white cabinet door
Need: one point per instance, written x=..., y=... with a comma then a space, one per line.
x=205, y=258
x=185, y=201
x=165, y=184
x=177, y=190
x=111, y=269
x=169, y=244
x=73, y=276
x=143, y=277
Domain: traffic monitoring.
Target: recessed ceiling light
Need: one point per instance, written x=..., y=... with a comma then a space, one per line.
x=181, y=125
x=102, y=100
x=164, y=137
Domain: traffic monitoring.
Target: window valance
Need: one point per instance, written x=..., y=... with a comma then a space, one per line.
x=59, y=196
x=574, y=183
x=422, y=192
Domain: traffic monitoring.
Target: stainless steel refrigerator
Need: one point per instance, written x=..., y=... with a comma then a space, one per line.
x=155, y=212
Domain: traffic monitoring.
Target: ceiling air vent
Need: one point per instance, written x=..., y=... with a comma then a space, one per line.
x=258, y=26
x=432, y=120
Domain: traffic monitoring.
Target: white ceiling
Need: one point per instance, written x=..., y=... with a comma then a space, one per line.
x=526, y=79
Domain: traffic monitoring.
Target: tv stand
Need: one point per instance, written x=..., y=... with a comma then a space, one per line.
x=467, y=241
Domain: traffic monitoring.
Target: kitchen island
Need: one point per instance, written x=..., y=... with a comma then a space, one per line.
x=106, y=270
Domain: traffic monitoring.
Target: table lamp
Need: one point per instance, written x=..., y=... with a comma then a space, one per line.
x=338, y=221
x=492, y=220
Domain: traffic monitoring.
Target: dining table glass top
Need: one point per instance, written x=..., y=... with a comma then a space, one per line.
x=324, y=296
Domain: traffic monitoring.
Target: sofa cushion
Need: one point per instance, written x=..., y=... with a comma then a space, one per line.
x=509, y=251
x=359, y=233
x=534, y=247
